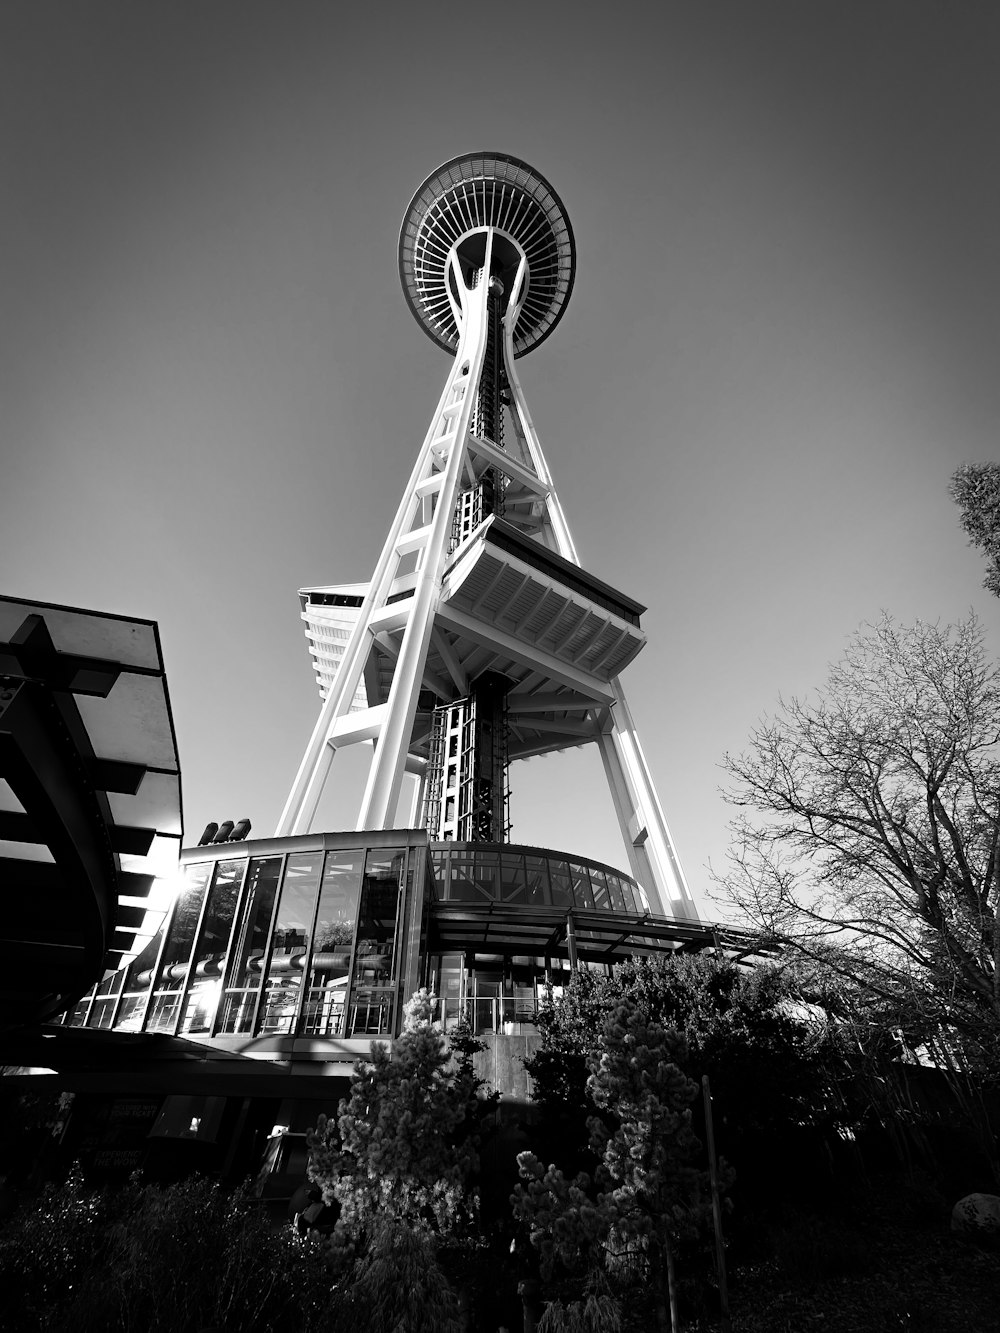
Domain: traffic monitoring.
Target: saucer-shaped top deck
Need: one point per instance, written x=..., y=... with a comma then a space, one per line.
x=465, y=196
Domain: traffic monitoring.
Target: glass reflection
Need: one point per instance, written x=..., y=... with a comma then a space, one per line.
x=562, y=885
x=474, y=876
x=615, y=892
x=536, y=881
x=177, y=950
x=599, y=884
x=208, y=958
x=512, y=888
x=135, y=992
x=104, y=1004
x=290, y=943
x=373, y=982
x=581, y=885
x=628, y=900
x=243, y=980
x=326, y=994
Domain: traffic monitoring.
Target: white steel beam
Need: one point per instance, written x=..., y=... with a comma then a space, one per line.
x=491, y=636
x=550, y=702
x=386, y=773
x=450, y=423
x=450, y=658
x=654, y=859
x=510, y=467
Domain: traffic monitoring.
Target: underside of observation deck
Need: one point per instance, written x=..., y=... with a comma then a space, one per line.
x=509, y=607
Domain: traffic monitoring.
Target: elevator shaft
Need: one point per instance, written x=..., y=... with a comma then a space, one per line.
x=476, y=503
x=466, y=793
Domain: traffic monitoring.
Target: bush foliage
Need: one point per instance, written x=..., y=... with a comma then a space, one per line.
x=146, y=1257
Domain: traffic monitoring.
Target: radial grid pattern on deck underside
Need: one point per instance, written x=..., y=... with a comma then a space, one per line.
x=467, y=196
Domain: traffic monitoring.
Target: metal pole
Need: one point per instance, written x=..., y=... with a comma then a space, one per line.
x=720, y=1249
x=571, y=940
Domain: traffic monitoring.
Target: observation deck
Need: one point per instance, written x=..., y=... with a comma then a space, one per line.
x=457, y=203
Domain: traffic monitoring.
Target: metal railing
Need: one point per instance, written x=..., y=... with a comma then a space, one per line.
x=491, y=1013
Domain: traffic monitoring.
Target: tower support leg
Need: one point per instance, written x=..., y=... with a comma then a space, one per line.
x=652, y=858
x=386, y=773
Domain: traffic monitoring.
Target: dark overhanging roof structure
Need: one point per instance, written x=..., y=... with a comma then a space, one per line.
x=89, y=799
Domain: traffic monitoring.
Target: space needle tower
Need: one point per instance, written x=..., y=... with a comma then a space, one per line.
x=480, y=639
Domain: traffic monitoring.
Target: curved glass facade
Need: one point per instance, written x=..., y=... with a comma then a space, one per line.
x=324, y=936
x=309, y=942
x=530, y=876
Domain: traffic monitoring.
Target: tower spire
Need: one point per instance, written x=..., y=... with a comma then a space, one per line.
x=479, y=639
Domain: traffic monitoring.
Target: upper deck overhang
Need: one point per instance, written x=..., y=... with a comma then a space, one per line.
x=531, y=596
x=511, y=606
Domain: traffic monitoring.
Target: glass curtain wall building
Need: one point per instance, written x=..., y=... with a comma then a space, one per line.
x=309, y=937
x=326, y=935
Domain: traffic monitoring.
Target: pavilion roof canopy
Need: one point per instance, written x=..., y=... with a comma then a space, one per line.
x=90, y=801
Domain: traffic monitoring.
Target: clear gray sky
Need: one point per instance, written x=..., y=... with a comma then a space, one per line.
x=782, y=341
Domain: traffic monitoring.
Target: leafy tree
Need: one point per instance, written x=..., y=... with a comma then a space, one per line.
x=398, y=1286
x=772, y=1058
x=598, y=1312
x=648, y=1192
x=869, y=828
x=403, y=1143
x=976, y=491
x=398, y=1159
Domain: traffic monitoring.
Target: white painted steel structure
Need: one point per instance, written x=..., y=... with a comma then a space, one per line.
x=511, y=597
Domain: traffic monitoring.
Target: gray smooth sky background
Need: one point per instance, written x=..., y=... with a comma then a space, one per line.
x=782, y=341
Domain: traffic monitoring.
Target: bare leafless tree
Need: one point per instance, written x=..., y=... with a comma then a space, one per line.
x=869, y=822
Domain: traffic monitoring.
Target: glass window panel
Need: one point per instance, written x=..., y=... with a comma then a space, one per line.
x=290, y=942
x=451, y=973
x=512, y=884
x=562, y=885
x=246, y=962
x=614, y=891
x=484, y=1005
x=438, y=883
x=326, y=996
x=130, y=1013
x=373, y=983
x=138, y=976
x=102, y=1012
x=79, y=1013
x=485, y=873
x=536, y=874
x=581, y=885
x=641, y=898
x=473, y=878
x=111, y=985
x=599, y=884
x=627, y=896
x=177, y=950
x=108, y=991
x=209, y=955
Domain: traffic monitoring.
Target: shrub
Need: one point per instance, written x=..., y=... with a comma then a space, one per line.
x=184, y=1256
